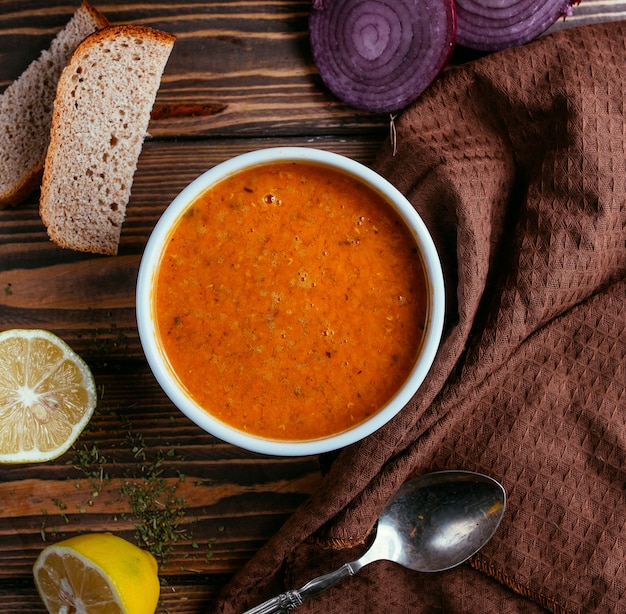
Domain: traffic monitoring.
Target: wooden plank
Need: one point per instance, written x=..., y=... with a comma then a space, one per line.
x=76, y=293
x=237, y=68
x=232, y=501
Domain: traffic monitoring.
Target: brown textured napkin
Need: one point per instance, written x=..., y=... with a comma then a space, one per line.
x=517, y=164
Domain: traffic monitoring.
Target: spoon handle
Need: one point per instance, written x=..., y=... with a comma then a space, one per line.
x=290, y=600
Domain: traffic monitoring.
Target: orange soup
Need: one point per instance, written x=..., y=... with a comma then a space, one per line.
x=291, y=301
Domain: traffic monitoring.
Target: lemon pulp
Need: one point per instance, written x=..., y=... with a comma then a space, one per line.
x=47, y=396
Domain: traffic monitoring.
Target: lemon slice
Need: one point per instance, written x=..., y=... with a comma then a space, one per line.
x=47, y=396
x=97, y=573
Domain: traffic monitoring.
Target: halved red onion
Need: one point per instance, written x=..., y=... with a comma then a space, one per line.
x=491, y=25
x=380, y=55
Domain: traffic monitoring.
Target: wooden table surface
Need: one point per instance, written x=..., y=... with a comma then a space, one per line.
x=240, y=78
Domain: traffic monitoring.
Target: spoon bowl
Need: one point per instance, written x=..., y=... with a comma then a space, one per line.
x=439, y=520
x=433, y=523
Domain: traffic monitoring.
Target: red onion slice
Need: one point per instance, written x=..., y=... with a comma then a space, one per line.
x=491, y=25
x=380, y=55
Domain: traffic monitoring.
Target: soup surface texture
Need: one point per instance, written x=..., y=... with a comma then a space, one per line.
x=290, y=301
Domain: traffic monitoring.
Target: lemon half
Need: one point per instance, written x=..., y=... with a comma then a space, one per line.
x=97, y=573
x=47, y=396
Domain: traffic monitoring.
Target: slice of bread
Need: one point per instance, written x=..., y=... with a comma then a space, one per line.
x=101, y=116
x=26, y=109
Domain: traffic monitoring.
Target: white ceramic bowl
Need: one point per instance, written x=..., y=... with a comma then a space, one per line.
x=159, y=364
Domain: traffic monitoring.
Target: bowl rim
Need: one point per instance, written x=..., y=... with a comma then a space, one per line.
x=147, y=329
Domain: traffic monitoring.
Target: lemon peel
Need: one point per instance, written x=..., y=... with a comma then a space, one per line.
x=97, y=573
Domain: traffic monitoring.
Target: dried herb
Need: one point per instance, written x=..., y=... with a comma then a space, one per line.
x=156, y=509
x=155, y=506
x=92, y=464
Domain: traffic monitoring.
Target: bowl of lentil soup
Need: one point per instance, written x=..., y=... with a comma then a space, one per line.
x=290, y=301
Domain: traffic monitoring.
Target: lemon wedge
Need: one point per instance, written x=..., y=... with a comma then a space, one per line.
x=97, y=573
x=47, y=396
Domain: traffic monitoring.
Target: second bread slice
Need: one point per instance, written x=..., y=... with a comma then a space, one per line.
x=26, y=109
x=101, y=116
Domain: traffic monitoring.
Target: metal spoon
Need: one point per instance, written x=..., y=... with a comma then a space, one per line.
x=433, y=523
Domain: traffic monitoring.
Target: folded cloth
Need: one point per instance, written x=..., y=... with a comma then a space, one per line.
x=517, y=164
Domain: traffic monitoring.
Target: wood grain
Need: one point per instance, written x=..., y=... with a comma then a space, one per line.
x=233, y=500
x=237, y=68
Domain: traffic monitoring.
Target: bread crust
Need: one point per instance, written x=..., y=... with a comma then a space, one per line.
x=107, y=32
x=93, y=152
x=96, y=15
